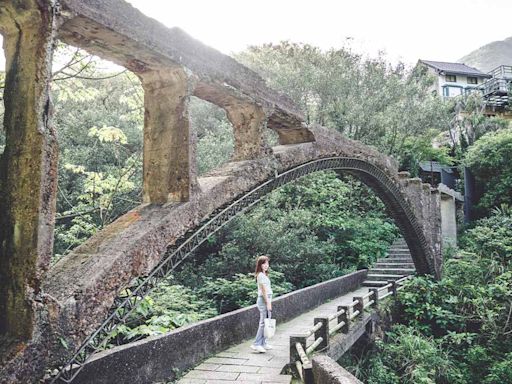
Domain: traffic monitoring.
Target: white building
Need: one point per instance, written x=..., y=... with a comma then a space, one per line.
x=454, y=79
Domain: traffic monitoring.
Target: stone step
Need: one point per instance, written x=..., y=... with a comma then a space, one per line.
x=383, y=264
x=374, y=283
x=392, y=271
x=395, y=260
x=400, y=251
x=385, y=277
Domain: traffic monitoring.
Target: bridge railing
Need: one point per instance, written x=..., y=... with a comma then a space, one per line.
x=302, y=346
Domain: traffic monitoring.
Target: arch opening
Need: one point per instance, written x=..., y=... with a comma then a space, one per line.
x=215, y=138
x=99, y=121
x=368, y=173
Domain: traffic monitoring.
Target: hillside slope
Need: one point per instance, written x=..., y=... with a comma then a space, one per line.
x=490, y=55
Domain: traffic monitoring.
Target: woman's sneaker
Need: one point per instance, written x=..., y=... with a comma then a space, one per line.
x=258, y=348
x=268, y=346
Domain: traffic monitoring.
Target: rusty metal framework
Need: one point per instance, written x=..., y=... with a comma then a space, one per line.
x=124, y=305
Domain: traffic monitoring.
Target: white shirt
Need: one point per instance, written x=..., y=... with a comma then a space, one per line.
x=265, y=281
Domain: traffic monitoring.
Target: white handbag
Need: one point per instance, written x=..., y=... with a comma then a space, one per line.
x=270, y=327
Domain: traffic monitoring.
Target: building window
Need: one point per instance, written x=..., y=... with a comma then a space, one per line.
x=451, y=78
x=446, y=91
x=472, y=80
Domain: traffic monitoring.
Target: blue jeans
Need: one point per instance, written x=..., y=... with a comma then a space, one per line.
x=260, y=338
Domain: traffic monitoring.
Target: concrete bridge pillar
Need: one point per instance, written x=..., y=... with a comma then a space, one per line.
x=436, y=229
x=28, y=166
x=448, y=208
x=249, y=122
x=448, y=220
x=169, y=165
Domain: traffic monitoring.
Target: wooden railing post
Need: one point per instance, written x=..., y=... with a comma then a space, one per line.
x=360, y=305
x=375, y=296
x=307, y=368
x=393, y=287
x=345, y=317
x=294, y=355
x=323, y=332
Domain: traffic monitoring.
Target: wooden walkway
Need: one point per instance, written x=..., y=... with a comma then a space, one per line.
x=240, y=365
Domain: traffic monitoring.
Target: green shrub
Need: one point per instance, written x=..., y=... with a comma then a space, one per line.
x=490, y=159
x=500, y=372
x=240, y=291
x=168, y=307
x=416, y=358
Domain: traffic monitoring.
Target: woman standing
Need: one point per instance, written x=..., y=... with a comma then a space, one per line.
x=264, y=302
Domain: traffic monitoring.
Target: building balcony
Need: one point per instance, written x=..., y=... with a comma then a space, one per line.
x=502, y=72
x=496, y=86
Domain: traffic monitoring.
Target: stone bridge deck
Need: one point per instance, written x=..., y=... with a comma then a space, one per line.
x=239, y=364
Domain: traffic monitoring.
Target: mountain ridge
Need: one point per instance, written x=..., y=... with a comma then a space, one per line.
x=490, y=56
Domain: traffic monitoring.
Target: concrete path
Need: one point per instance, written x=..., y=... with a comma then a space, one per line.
x=240, y=365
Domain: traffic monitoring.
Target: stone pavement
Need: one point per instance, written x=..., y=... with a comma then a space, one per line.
x=240, y=365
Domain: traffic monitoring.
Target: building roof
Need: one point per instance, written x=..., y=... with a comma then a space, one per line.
x=455, y=68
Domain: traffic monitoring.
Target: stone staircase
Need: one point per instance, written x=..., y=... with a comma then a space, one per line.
x=397, y=264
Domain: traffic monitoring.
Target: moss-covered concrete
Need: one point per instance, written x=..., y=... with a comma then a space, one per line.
x=28, y=164
x=169, y=146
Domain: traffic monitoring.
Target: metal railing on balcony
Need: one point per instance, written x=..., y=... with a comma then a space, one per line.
x=496, y=86
x=502, y=72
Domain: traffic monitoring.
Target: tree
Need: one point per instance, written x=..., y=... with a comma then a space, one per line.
x=367, y=99
x=469, y=122
x=312, y=230
x=490, y=159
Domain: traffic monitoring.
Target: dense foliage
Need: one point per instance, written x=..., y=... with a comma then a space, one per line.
x=458, y=329
x=311, y=229
x=366, y=98
x=490, y=160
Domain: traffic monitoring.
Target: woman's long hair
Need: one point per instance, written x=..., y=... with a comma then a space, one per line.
x=259, y=262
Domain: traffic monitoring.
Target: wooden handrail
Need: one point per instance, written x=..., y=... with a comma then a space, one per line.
x=337, y=314
x=302, y=354
x=343, y=318
x=387, y=286
x=313, y=346
x=336, y=328
x=314, y=329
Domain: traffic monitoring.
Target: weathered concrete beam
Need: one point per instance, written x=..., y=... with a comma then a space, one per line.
x=169, y=166
x=113, y=29
x=328, y=371
x=248, y=124
x=28, y=164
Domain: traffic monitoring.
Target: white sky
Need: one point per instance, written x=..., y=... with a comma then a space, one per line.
x=406, y=30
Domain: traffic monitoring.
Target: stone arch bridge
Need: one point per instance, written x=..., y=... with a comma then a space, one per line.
x=39, y=304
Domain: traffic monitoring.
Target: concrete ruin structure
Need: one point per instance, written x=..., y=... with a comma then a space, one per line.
x=42, y=305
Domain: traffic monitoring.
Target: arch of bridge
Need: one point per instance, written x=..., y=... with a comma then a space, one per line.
x=83, y=285
x=72, y=297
